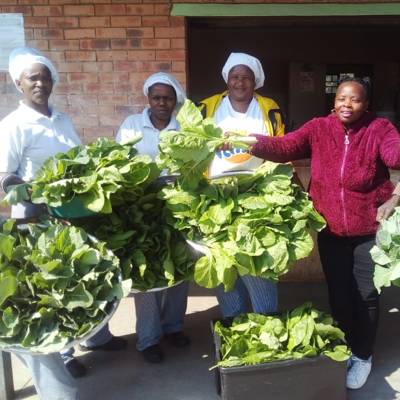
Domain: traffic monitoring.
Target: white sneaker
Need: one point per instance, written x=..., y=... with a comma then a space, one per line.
x=358, y=373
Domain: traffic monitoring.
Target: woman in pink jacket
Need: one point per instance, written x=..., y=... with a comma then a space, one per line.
x=351, y=152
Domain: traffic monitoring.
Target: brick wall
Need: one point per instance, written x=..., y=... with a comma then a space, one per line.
x=104, y=50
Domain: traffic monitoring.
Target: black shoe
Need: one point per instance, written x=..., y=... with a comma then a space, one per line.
x=178, y=339
x=116, y=343
x=76, y=368
x=153, y=354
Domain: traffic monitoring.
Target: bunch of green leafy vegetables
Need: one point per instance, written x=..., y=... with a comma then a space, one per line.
x=152, y=253
x=56, y=285
x=255, y=224
x=386, y=252
x=303, y=332
x=190, y=150
x=101, y=175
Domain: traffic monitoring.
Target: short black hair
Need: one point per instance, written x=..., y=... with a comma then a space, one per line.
x=365, y=83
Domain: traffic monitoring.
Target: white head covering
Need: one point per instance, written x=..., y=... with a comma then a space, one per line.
x=22, y=58
x=166, y=79
x=244, y=59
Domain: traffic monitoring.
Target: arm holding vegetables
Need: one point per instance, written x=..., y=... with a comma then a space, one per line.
x=293, y=146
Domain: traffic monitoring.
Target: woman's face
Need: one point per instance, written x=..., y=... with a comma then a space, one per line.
x=36, y=84
x=162, y=101
x=351, y=102
x=241, y=83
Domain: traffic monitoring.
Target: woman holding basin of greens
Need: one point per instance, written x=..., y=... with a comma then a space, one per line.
x=159, y=313
x=240, y=108
x=29, y=135
x=351, y=151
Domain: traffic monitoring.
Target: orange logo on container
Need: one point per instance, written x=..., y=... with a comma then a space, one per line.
x=235, y=156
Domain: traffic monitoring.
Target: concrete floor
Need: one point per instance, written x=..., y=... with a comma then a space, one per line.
x=184, y=374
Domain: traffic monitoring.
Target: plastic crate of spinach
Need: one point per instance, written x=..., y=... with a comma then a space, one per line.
x=253, y=339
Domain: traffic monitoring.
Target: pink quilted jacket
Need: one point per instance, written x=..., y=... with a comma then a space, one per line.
x=349, y=169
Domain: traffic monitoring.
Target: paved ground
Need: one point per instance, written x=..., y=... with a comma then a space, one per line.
x=184, y=374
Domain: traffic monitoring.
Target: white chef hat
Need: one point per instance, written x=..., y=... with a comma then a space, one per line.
x=166, y=79
x=244, y=59
x=22, y=58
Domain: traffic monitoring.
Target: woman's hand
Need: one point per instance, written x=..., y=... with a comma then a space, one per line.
x=226, y=145
x=387, y=208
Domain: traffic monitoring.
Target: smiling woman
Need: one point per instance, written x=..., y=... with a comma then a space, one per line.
x=351, y=151
x=158, y=313
x=36, y=84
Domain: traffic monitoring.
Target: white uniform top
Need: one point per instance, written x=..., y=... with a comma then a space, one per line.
x=229, y=120
x=141, y=124
x=28, y=138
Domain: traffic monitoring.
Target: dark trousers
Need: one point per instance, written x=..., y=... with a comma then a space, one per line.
x=354, y=301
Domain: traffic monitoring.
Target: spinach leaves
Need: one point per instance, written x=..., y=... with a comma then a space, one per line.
x=254, y=224
x=303, y=332
x=386, y=253
x=56, y=285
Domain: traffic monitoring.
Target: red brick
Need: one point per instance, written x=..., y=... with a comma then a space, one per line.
x=79, y=10
x=62, y=78
x=178, y=66
x=110, y=33
x=140, y=32
x=92, y=44
x=156, y=43
x=142, y=55
x=114, y=9
x=161, y=9
x=114, y=55
x=80, y=55
x=105, y=66
x=64, y=1
x=113, y=99
x=82, y=77
x=69, y=67
x=178, y=43
x=35, y=22
x=63, y=22
x=125, y=43
x=110, y=120
x=124, y=110
x=155, y=21
x=26, y=10
x=68, y=88
x=79, y=33
x=94, y=22
x=130, y=66
x=92, y=133
x=33, y=2
x=99, y=88
x=28, y=34
x=139, y=98
x=84, y=120
x=142, y=9
x=178, y=32
x=54, y=11
x=153, y=66
x=59, y=100
x=82, y=99
x=56, y=56
x=108, y=77
x=64, y=44
x=177, y=21
x=39, y=44
x=126, y=21
x=48, y=34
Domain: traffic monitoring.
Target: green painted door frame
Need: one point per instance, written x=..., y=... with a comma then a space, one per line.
x=284, y=10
